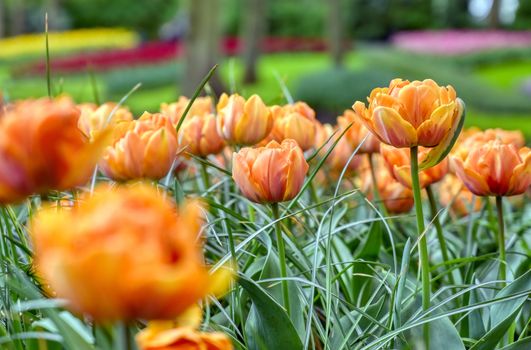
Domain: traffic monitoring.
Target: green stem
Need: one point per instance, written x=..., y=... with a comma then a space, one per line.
x=501, y=241
x=282, y=258
x=439, y=230
x=122, y=337
x=204, y=176
x=423, y=243
x=376, y=190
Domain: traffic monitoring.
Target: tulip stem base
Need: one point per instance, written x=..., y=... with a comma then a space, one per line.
x=501, y=241
x=439, y=230
x=204, y=176
x=282, y=258
x=122, y=337
x=423, y=242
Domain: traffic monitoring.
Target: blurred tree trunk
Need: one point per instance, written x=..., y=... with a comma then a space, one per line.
x=254, y=26
x=53, y=10
x=335, y=32
x=17, y=17
x=202, y=45
x=494, y=14
x=2, y=19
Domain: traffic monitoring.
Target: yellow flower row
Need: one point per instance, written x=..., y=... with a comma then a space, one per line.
x=73, y=40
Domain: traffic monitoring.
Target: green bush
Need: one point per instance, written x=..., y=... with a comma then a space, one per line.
x=332, y=91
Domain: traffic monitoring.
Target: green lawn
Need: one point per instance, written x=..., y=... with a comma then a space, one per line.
x=288, y=67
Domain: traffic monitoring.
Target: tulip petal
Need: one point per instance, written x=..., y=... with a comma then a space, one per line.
x=393, y=129
x=432, y=131
x=472, y=180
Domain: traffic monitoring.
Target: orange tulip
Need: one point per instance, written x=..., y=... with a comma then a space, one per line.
x=295, y=122
x=495, y=169
x=357, y=132
x=175, y=110
x=42, y=149
x=470, y=138
x=199, y=135
x=243, y=122
x=270, y=174
x=398, y=162
x=396, y=198
x=453, y=193
x=94, y=119
x=122, y=254
x=407, y=114
x=167, y=337
x=143, y=148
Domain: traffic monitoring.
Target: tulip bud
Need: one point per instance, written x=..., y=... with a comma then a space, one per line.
x=495, y=169
x=271, y=174
x=94, y=119
x=399, y=163
x=199, y=136
x=295, y=122
x=175, y=110
x=243, y=122
x=143, y=148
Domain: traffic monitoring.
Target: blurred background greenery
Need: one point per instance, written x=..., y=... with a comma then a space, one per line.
x=326, y=52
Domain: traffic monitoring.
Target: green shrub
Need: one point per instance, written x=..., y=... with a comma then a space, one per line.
x=332, y=91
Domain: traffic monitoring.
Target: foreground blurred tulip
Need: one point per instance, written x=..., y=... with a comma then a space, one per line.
x=396, y=198
x=124, y=254
x=42, y=149
x=181, y=333
x=198, y=135
x=94, y=119
x=271, y=174
x=453, y=193
x=143, y=148
x=495, y=169
x=408, y=114
x=398, y=161
x=357, y=132
x=243, y=122
x=175, y=110
x=295, y=122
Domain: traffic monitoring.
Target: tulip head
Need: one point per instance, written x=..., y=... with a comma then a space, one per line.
x=398, y=161
x=243, y=122
x=271, y=174
x=357, y=133
x=341, y=153
x=295, y=122
x=494, y=169
x=143, y=148
x=123, y=253
x=408, y=114
x=174, y=111
x=95, y=119
x=42, y=149
x=198, y=135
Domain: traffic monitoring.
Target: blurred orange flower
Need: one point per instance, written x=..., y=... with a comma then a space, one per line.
x=143, y=148
x=357, y=132
x=165, y=336
x=398, y=161
x=243, y=122
x=124, y=253
x=270, y=174
x=473, y=136
x=175, y=110
x=199, y=136
x=396, y=198
x=494, y=169
x=42, y=149
x=341, y=153
x=295, y=122
x=407, y=114
x=94, y=119
x=453, y=193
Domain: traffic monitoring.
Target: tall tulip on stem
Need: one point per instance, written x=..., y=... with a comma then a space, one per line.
x=270, y=175
x=408, y=115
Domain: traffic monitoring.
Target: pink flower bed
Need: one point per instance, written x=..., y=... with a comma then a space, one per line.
x=453, y=42
x=156, y=52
